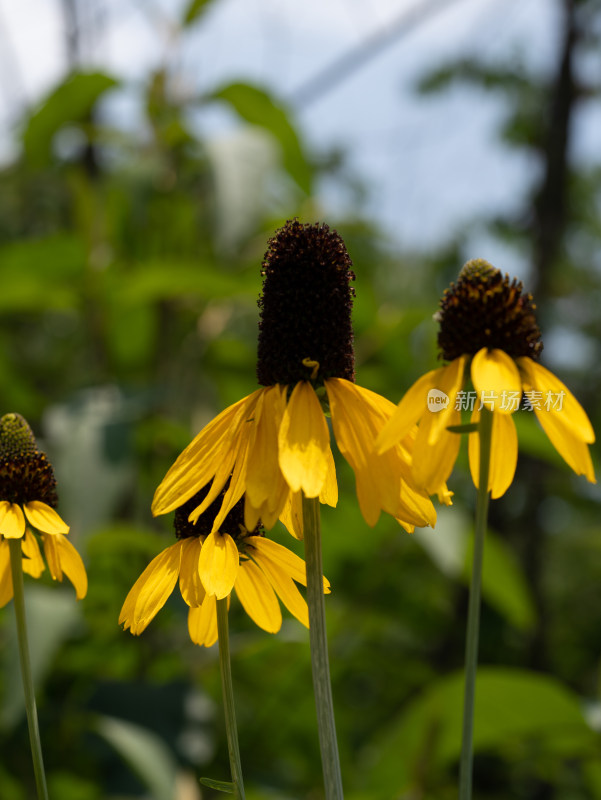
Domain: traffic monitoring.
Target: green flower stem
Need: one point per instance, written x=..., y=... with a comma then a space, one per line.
x=473, y=615
x=319, y=651
x=30, y=707
x=228, y=698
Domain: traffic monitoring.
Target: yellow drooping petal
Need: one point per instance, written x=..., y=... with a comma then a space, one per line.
x=150, y=592
x=218, y=564
x=6, y=578
x=285, y=588
x=357, y=417
x=292, y=514
x=304, y=442
x=190, y=584
x=196, y=465
x=44, y=518
x=557, y=400
x=449, y=383
x=233, y=463
x=284, y=559
x=410, y=409
x=12, y=521
x=503, y=453
x=433, y=463
x=63, y=558
x=33, y=563
x=202, y=622
x=258, y=598
x=266, y=488
x=496, y=380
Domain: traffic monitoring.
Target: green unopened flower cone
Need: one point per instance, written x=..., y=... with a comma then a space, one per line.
x=28, y=503
x=275, y=443
x=488, y=332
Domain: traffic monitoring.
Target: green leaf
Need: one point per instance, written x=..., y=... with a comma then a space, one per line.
x=145, y=752
x=194, y=10
x=221, y=786
x=257, y=107
x=71, y=102
x=512, y=706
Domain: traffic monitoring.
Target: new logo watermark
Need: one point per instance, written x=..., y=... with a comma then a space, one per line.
x=437, y=400
x=505, y=401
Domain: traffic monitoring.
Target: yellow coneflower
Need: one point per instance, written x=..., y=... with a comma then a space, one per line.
x=28, y=501
x=275, y=443
x=488, y=332
x=210, y=564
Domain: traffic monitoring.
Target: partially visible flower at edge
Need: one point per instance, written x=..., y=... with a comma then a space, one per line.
x=275, y=443
x=28, y=500
x=487, y=319
x=209, y=565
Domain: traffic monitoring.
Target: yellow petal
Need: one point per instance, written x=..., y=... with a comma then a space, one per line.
x=190, y=584
x=503, y=453
x=198, y=463
x=292, y=514
x=557, y=400
x=496, y=380
x=12, y=521
x=570, y=447
x=266, y=489
x=285, y=588
x=152, y=589
x=284, y=559
x=218, y=564
x=434, y=462
x=450, y=382
x=409, y=410
x=304, y=441
x=6, y=578
x=44, y=518
x=233, y=463
x=202, y=622
x=357, y=416
x=258, y=598
x=33, y=563
x=70, y=563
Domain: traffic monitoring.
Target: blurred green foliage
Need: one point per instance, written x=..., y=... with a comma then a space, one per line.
x=130, y=269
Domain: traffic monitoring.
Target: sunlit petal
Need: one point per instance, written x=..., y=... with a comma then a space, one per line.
x=292, y=514
x=496, y=378
x=6, y=578
x=433, y=463
x=150, y=592
x=33, y=563
x=285, y=588
x=70, y=563
x=304, y=442
x=557, y=400
x=258, y=597
x=190, y=584
x=409, y=410
x=12, y=521
x=196, y=465
x=503, y=453
x=218, y=564
x=202, y=622
x=284, y=559
x=44, y=518
x=450, y=382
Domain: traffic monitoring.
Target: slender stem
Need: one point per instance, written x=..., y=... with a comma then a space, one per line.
x=319, y=651
x=228, y=698
x=30, y=707
x=473, y=615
